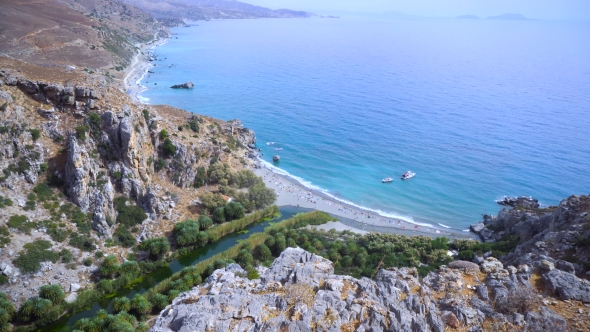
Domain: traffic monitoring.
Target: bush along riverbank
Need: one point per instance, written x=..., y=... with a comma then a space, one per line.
x=115, y=276
x=129, y=313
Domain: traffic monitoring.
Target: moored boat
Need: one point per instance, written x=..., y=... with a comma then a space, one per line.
x=386, y=180
x=408, y=175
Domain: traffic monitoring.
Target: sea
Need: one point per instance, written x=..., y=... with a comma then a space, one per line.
x=478, y=109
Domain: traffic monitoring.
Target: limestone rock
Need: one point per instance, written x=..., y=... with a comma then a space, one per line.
x=187, y=85
x=299, y=290
x=567, y=286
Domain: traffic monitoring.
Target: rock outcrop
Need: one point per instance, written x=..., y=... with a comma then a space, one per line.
x=524, y=201
x=555, y=240
x=187, y=85
x=299, y=292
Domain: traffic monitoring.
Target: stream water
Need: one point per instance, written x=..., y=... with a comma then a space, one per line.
x=155, y=277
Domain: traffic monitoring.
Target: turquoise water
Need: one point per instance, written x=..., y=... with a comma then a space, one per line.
x=478, y=109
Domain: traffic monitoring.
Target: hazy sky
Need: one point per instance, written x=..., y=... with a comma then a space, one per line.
x=541, y=9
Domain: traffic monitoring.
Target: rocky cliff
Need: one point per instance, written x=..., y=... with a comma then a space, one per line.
x=299, y=292
x=93, y=144
x=559, y=234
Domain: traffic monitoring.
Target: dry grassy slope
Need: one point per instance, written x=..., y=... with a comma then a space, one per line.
x=98, y=34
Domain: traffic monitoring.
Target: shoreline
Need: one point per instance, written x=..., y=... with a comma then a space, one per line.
x=139, y=68
x=291, y=192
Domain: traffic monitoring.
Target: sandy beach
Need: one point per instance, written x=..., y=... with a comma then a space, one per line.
x=291, y=193
x=139, y=68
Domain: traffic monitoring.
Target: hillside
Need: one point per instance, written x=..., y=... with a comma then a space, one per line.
x=211, y=9
x=96, y=34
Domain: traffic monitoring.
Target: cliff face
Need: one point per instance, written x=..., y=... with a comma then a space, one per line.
x=74, y=131
x=559, y=234
x=556, y=240
x=111, y=146
x=299, y=292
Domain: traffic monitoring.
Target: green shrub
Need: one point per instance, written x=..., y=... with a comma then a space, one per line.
x=81, y=132
x=42, y=168
x=57, y=235
x=124, y=237
x=163, y=134
x=146, y=115
x=168, y=148
x=94, y=120
x=21, y=223
x=205, y=222
x=219, y=215
x=194, y=124
x=87, y=262
x=66, y=256
x=129, y=215
x=211, y=201
x=33, y=254
x=4, y=202
x=160, y=164
x=43, y=192
x=465, y=255
x=201, y=177
x=35, y=133
x=245, y=258
x=82, y=242
x=233, y=211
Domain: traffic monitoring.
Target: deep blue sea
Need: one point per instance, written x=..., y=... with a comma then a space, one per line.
x=479, y=109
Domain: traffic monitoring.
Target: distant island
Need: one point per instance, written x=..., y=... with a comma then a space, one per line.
x=509, y=17
x=468, y=17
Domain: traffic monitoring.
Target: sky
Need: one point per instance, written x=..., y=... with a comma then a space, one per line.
x=539, y=9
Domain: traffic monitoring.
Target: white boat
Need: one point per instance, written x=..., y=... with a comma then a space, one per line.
x=386, y=180
x=408, y=175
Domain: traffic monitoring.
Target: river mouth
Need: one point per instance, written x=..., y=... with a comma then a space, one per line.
x=150, y=280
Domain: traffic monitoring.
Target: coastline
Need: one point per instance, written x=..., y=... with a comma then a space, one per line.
x=139, y=68
x=292, y=193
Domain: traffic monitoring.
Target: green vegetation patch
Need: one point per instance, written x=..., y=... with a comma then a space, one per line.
x=129, y=215
x=22, y=223
x=5, y=202
x=33, y=254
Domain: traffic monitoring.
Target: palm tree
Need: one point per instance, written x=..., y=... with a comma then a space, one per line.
x=160, y=301
x=53, y=293
x=40, y=305
x=141, y=305
x=26, y=310
x=4, y=316
x=121, y=304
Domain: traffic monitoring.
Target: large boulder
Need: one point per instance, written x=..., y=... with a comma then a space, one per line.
x=567, y=286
